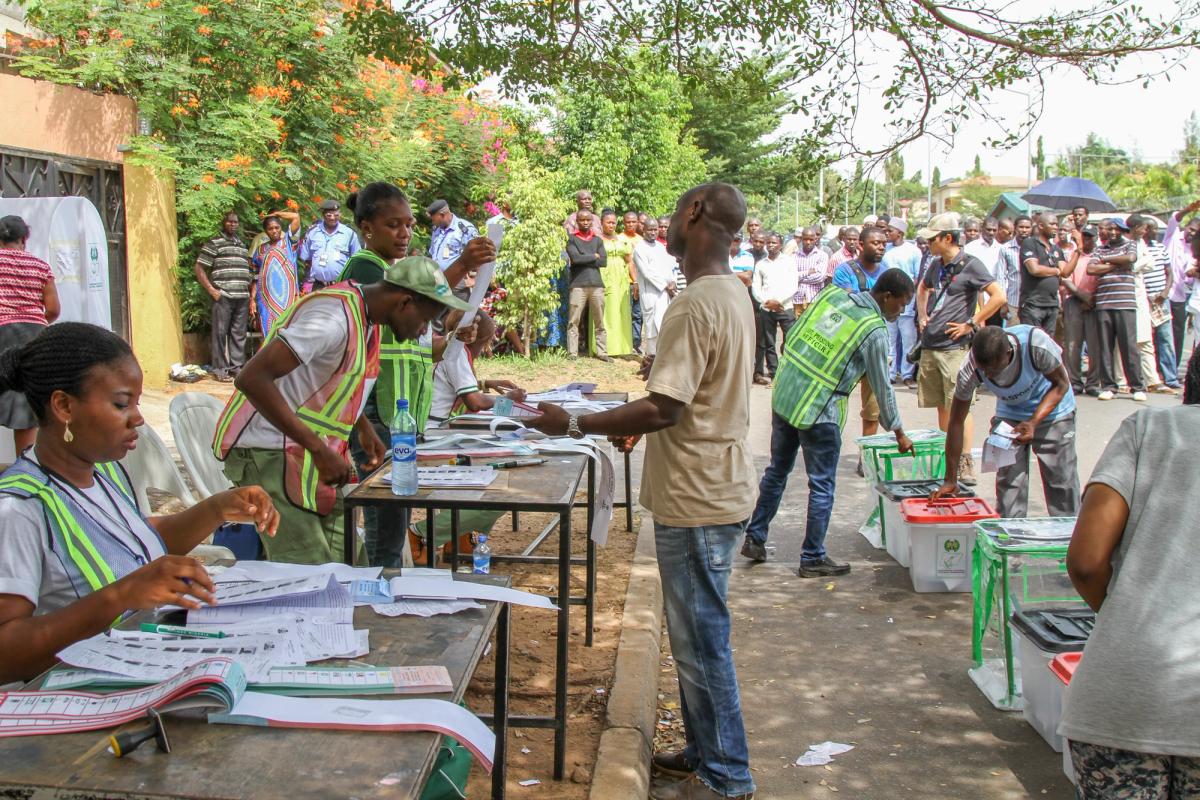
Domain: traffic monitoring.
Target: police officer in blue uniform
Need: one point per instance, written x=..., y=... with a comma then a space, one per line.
x=449, y=237
x=326, y=247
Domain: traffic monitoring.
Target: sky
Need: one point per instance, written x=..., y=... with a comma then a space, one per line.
x=1146, y=121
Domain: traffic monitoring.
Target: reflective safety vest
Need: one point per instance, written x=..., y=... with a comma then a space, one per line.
x=330, y=411
x=816, y=355
x=91, y=555
x=405, y=366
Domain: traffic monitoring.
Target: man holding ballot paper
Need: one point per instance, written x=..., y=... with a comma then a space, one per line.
x=1035, y=408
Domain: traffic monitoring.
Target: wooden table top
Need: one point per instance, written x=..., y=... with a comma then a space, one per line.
x=236, y=762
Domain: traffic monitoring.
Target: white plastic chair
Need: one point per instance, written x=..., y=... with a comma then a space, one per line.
x=194, y=422
x=150, y=466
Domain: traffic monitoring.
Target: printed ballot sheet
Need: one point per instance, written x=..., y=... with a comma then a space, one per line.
x=259, y=708
x=275, y=570
x=159, y=659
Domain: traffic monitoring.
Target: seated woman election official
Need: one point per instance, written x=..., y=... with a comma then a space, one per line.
x=75, y=552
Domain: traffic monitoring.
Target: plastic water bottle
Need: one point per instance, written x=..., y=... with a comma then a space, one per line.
x=404, y=451
x=482, y=556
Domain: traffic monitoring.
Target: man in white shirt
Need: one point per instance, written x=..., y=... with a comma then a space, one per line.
x=656, y=282
x=776, y=279
x=989, y=249
x=907, y=257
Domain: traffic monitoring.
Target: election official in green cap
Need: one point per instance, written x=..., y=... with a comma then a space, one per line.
x=299, y=399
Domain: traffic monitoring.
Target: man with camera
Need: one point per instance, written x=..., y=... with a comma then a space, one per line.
x=948, y=315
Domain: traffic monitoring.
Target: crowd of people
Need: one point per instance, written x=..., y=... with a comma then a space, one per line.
x=370, y=326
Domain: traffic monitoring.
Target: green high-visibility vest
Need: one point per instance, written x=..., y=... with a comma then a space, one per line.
x=817, y=353
x=405, y=367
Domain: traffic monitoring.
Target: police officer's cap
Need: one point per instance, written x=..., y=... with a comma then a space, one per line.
x=436, y=207
x=330, y=205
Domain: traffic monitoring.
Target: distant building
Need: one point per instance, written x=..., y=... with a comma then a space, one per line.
x=947, y=196
x=1011, y=205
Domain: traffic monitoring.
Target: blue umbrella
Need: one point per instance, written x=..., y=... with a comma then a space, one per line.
x=1063, y=194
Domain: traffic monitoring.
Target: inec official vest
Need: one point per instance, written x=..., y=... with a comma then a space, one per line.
x=405, y=367
x=1019, y=402
x=92, y=557
x=817, y=353
x=330, y=411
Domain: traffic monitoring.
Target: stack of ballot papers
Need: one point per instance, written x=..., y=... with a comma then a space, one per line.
x=220, y=684
x=425, y=588
x=290, y=681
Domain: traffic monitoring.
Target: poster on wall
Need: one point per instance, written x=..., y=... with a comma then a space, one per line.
x=68, y=234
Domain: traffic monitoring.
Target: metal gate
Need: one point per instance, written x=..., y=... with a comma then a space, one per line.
x=26, y=173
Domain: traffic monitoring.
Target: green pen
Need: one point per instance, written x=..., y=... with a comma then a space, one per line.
x=172, y=630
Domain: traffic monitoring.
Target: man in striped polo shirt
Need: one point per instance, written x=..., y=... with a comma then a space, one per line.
x=1116, y=309
x=223, y=269
x=1158, y=289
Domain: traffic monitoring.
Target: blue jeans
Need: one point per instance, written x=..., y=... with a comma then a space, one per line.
x=635, y=307
x=1164, y=349
x=822, y=445
x=903, y=335
x=695, y=564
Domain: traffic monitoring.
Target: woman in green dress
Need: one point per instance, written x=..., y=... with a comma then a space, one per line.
x=618, y=275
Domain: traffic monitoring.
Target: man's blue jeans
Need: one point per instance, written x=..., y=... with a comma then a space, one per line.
x=902, y=333
x=1164, y=350
x=822, y=445
x=695, y=564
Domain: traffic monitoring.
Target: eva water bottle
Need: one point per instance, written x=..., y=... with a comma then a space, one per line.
x=404, y=451
x=482, y=556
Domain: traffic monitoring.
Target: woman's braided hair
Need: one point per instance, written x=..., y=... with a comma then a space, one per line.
x=58, y=358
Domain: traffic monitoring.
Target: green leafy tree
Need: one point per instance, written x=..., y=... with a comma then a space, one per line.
x=627, y=142
x=1039, y=160
x=530, y=257
x=1191, y=139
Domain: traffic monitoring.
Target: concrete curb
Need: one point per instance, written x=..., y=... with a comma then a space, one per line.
x=623, y=763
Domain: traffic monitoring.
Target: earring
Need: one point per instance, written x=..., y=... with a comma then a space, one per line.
x=368, y=236
x=67, y=435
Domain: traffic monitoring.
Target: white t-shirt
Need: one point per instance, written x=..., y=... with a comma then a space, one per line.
x=452, y=376
x=989, y=254
x=30, y=569
x=317, y=335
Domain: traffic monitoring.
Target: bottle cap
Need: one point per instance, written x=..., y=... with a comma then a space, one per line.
x=482, y=538
x=402, y=405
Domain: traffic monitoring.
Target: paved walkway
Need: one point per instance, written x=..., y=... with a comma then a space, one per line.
x=864, y=659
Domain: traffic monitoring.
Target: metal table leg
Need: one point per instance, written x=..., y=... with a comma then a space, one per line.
x=454, y=540
x=500, y=704
x=561, y=645
x=349, y=540
x=589, y=593
x=429, y=538
x=628, y=494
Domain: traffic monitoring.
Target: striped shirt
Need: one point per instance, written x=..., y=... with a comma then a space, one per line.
x=23, y=280
x=1156, y=279
x=228, y=266
x=1116, y=289
x=811, y=271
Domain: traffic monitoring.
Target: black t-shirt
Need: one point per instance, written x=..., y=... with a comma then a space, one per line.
x=964, y=277
x=1035, y=291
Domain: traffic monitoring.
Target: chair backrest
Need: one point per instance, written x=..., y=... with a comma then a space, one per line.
x=194, y=422
x=150, y=466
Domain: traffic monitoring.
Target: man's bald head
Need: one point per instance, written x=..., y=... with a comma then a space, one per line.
x=708, y=213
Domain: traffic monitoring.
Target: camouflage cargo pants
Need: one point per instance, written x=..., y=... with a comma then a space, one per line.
x=1105, y=773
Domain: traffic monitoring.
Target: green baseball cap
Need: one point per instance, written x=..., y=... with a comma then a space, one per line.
x=422, y=275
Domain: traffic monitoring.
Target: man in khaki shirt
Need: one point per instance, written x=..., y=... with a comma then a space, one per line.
x=697, y=482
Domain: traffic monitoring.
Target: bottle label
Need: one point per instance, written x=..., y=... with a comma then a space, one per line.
x=404, y=448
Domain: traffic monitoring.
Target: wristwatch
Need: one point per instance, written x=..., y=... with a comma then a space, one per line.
x=573, y=427
x=974, y=325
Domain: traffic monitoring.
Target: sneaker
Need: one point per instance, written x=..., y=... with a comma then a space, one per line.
x=673, y=763
x=1107, y=394
x=966, y=470
x=762, y=380
x=692, y=788
x=1139, y=397
x=1092, y=392
x=824, y=568
x=755, y=551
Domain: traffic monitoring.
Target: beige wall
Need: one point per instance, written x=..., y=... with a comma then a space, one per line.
x=62, y=120
x=151, y=249
x=49, y=118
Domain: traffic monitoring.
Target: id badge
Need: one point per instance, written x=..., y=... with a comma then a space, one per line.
x=324, y=259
